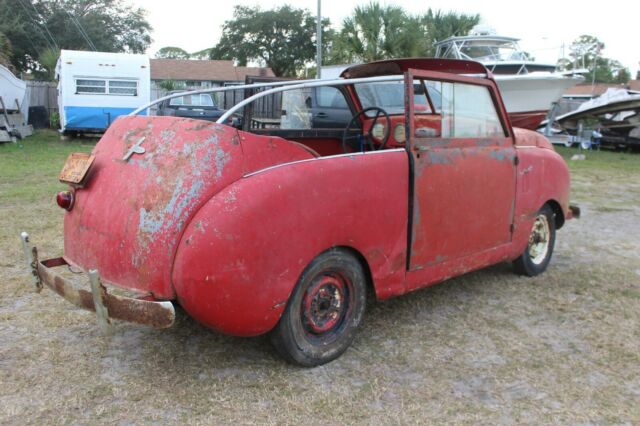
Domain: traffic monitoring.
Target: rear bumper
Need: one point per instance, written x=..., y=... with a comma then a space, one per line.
x=96, y=298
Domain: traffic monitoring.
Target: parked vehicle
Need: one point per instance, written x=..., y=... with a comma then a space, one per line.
x=95, y=88
x=285, y=230
x=201, y=106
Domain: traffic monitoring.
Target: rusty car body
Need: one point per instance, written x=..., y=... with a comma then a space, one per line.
x=284, y=230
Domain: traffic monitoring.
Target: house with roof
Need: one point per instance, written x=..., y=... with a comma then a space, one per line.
x=202, y=74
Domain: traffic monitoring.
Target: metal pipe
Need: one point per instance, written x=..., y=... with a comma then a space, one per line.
x=31, y=256
x=307, y=84
x=214, y=90
x=319, y=43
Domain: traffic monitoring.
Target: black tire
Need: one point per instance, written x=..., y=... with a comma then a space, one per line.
x=536, y=256
x=324, y=311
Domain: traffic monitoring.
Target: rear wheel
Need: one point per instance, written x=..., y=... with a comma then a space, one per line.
x=542, y=238
x=324, y=310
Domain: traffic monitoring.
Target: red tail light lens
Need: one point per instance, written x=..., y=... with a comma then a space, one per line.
x=65, y=199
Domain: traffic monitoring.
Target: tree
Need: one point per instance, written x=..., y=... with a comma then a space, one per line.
x=171, y=52
x=281, y=38
x=376, y=32
x=170, y=85
x=440, y=25
x=5, y=51
x=32, y=26
x=201, y=54
x=48, y=59
x=586, y=52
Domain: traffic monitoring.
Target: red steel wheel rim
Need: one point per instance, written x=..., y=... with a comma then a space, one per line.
x=325, y=304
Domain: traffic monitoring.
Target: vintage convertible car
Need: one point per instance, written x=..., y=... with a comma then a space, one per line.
x=285, y=228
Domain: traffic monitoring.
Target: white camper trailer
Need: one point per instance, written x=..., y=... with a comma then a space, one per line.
x=95, y=88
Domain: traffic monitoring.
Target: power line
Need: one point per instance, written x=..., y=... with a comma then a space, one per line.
x=81, y=30
x=51, y=43
x=44, y=24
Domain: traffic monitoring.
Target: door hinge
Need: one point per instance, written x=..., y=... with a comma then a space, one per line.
x=516, y=160
x=512, y=228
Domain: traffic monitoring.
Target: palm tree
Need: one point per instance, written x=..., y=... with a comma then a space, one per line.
x=376, y=32
x=373, y=32
x=48, y=59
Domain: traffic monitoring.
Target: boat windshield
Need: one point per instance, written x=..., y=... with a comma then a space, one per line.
x=485, y=50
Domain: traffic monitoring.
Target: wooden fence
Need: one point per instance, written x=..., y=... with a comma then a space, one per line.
x=43, y=93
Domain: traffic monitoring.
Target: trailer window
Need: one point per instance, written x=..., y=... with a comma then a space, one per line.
x=123, y=88
x=91, y=86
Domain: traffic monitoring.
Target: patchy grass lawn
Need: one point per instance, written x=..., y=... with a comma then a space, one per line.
x=488, y=347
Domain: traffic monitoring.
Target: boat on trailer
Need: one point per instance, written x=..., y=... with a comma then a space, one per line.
x=528, y=87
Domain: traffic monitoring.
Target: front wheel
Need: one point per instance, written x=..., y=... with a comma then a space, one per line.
x=324, y=310
x=537, y=255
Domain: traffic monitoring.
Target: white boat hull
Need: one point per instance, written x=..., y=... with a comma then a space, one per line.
x=12, y=89
x=533, y=92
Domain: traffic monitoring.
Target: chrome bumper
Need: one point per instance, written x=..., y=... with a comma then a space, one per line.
x=106, y=306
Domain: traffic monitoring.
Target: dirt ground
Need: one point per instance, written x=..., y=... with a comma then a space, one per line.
x=488, y=347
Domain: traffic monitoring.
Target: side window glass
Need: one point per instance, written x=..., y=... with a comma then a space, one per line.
x=474, y=112
x=330, y=97
x=466, y=110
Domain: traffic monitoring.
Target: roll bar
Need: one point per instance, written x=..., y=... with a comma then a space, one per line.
x=288, y=85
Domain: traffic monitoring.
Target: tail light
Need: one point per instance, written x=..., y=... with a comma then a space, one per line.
x=65, y=199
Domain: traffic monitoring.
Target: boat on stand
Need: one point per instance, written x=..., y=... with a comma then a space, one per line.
x=528, y=87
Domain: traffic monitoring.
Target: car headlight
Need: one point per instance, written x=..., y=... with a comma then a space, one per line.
x=400, y=134
x=378, y=131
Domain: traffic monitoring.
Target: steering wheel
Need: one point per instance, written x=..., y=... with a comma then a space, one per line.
x=367, y=134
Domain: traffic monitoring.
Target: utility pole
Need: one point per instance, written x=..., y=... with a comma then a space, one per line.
x=319, y=42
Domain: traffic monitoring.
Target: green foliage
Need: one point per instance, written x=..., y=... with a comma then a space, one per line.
x=170, y=85
x=376, y=32
x=54, y=120
x=440, y=25
x=32, y=26
x=48, y=60
x=201, y=54
x=5, y=51
x=281, y=38
x=586, y=52
x=171, y=52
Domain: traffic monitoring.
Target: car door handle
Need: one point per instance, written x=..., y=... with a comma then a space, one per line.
x=321, y=114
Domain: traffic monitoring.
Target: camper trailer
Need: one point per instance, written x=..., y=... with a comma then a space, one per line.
x=95, y=88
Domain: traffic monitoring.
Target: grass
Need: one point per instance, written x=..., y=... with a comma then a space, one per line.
x=28, y=166
x=487, y=347
x=601, y=161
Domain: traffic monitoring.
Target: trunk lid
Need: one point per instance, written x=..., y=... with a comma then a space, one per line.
x=150, y=175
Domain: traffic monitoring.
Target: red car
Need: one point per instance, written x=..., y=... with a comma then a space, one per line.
x=284, y=228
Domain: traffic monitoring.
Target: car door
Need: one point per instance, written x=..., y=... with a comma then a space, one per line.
x=463, y=169
x=329, y=109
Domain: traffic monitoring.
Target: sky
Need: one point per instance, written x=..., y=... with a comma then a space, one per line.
x=542, y=25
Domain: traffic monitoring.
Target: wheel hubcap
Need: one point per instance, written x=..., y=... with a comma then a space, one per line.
x=324, y=304
x=539, y=239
